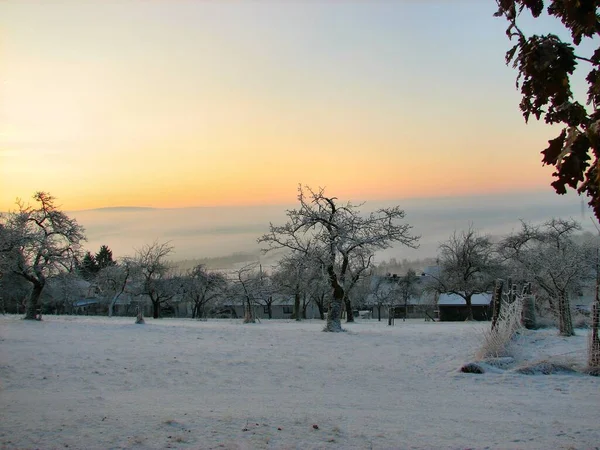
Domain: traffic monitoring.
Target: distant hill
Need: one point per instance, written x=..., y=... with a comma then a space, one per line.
x=120, y=209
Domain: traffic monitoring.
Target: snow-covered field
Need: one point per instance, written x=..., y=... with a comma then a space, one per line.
x=100, y=383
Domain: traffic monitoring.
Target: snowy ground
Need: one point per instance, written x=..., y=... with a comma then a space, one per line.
x=100, y=383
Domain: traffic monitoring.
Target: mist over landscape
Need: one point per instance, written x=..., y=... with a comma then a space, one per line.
x=220, y=231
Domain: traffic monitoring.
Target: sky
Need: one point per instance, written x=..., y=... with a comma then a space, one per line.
x=177, y=103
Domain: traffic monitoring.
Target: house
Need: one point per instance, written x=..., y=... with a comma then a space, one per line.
x=386, y=299
x=452, y=307
x=281, y=308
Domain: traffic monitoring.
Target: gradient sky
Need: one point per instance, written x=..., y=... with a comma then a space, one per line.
x=181, y=103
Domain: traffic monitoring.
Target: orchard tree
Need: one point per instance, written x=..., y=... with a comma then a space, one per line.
x=468, y=266
x=248, y=285
x=40, y=242
x=409, y=285
x=291, y=278
x=336, y=231
x=154, y=271
x=545, y=65
x=202, y=288
x=112, y=281
x=384, y=291
x=359, y=264
x=550, y=257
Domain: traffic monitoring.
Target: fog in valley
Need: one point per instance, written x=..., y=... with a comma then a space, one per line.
x=213, y=232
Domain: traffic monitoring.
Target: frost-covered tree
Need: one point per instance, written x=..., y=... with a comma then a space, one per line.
x=384, y=292
x=359, y=265
x=341, y=231
x=249, y=286
x=42, y=242
x=409, y=286
x=155, y=275
x=291, y=277
x=319, y=288
x=551, y=258
x=112, y=281
x=203, y=288
x=468, y=266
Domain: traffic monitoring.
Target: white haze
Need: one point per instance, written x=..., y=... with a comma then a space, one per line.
x=220, y=231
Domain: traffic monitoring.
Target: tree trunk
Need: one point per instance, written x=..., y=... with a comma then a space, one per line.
x=249, y=313
x=379, y=312
x=111, y=305
x=349, y=312
x=304, y=306
x=155, y=309
x=297, y=306
x=469, y=307
x=334, y=323
x=320, y=307
x=33, y=303
x=565, y=322
x=497, y=302
x=528, y=314
x=594, y=344
x=270, y=310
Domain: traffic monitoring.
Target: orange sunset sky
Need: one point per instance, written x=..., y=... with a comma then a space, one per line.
x=183, y=103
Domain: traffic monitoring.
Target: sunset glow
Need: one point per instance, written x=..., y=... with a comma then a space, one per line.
x=172, y=104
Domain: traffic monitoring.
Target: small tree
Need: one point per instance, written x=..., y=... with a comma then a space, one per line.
x=43, y=242
x=248, y=287
x=112, y=281
x=359, y=264
x=153, y=269
x=202, y=288
x=88, y=267
x=554, y=261
x=337, y=232
x=291, y=278
x=468, y=266
x=384, y=292
x=408, y=287
x=104, y=258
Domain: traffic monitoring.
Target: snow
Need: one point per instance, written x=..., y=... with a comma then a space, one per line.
x=106, y=383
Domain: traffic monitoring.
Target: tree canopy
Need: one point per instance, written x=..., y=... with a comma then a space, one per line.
x=545, y=66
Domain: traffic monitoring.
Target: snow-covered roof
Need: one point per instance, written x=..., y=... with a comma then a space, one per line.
x=454, y=299
x=85, y=302
x=431, y=271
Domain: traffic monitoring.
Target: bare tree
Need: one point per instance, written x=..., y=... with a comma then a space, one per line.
x=554, y=261
x=202, y=288
x=468, y=266
x=318, y=288
x=248, y=286
x=408, y=286
x=112, y=281
x=43, y=242
x=383, y=292
x=291, y=277
x=359, y=264
x=339, y=231
x=154, y=271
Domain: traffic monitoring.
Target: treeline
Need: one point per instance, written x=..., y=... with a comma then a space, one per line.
x=322, y=256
